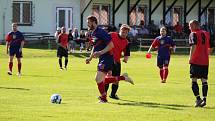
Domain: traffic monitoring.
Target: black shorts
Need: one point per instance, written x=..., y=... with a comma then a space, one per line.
x=62, y=52
x=198, y=71
x=116, y=71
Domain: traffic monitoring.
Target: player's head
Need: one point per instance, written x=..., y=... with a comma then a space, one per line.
x=92, y=22
x=63, y=30
x=193, y=25
x=14, y=26
x=163, y=31
x=124, y=29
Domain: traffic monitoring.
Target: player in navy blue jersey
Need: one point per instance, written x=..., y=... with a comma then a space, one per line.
x=14, y=44
x=164, y=44
x=102, y=46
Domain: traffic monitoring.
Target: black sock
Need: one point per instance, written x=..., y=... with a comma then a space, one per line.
x=204, y=99
x=195, y=89
x=204, y=89
x=60, y=62
x=106, y=87
x=66, y=62
x=114, y=89
x=198, y=97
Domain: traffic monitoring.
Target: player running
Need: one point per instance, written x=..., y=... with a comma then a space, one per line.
x=164, y=44
x=102, y=45
x=14, y=45
x=120, y=45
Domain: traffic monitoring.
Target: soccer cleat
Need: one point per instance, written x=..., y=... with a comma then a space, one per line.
x=114, y=97
x=127, y=78
x=198, y=103
x=163, y=81
x=19, y=74
x=9, y=72
x=102, y=99
x=65, y=68
x=61, y=68
x=203, y=103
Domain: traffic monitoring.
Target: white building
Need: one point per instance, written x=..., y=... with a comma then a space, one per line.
x=43, y=16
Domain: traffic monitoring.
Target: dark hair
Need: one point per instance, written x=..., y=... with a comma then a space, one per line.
x=164, y=28
x=92, y=18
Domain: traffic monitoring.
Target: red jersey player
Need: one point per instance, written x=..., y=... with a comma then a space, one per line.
x=62, y=50
x=120, y=45
x=199, y=60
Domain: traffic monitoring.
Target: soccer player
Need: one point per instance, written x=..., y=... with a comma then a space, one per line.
x=102, y=45
x=120, y=45
x=164, y=44
x=62, y=50
x=14, y=45
x=199, y=60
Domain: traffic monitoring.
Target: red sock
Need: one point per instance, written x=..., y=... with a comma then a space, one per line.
x=19, y=67
x=161, y=74
x=101, y=87
x=110, y=79
x=10, y=66
x=166, y=71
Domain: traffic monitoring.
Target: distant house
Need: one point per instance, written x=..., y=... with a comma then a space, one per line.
x=41, y=16
x=44, y=16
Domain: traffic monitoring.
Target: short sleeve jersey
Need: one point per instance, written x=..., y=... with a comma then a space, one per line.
x=120, y=45
x=163, y=44
x=201, y=39
x=100, y=40
x=15, y=39
x=63, y=39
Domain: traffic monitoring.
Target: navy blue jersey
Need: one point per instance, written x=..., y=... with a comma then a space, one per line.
x=100, y=39
x=15, y=39
x=163, y=44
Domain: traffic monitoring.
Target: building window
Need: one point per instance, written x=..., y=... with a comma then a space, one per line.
x=138, y=14
x=174, y=15
x=102, y=13
x=22, y=12
x=211, y=16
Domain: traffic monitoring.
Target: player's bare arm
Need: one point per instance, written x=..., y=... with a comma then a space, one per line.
x=91, y=56
x=7, y=47
x=22, y=44
x=192, y=48
x=106, y=49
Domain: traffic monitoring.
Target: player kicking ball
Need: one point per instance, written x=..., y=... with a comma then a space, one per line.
x=164, y=45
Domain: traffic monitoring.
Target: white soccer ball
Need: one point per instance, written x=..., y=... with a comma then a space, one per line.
x=56, y=98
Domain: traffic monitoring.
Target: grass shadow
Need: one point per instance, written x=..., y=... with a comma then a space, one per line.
x=80, y=54
x=151, y=104
x=14, y=88
x=42, y=76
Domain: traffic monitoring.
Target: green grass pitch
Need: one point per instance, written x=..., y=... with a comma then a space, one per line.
x=28, y=98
